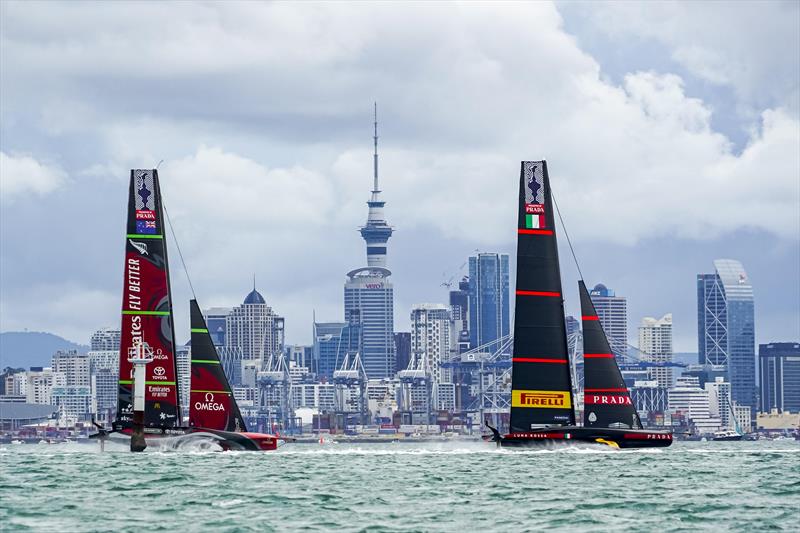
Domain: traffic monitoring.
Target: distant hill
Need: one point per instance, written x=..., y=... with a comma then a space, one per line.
x=23, y=349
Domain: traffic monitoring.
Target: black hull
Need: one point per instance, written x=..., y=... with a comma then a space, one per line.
x=616, y=438
x=227, y=440
x=724, y=439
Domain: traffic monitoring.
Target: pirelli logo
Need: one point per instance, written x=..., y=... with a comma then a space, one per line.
x=541, y=399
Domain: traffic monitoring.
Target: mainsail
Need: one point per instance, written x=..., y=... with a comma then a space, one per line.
x=147, y=307
x=607, y=402
x=211, y=401
x=541, y=385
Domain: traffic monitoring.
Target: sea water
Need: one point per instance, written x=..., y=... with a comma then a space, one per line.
x=464, y=487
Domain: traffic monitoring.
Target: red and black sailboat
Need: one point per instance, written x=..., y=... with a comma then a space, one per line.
x=148, y=341
x=542, y=401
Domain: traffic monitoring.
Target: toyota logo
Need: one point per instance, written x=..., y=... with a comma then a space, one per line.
x=209, y=396
x=159, y=371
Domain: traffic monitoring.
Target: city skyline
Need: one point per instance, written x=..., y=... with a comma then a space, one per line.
x=293, y=170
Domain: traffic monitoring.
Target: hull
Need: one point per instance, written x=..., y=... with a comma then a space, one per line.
x=728, y=438
x=617, y=438
x=183, y=436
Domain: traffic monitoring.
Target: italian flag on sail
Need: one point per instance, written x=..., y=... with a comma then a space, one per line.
x=534, y=221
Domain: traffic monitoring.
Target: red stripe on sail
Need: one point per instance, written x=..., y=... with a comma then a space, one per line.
x=605, y=390
x=598, y=355
x=537, y=360
x=590, y=317
x=535, y=231
x=539, y=293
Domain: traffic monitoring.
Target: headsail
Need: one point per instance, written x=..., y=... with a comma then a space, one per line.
x=607, y=402
x=147, y=307
x=211, y=402
x=541, y=384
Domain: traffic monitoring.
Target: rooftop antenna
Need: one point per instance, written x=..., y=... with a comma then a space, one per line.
x=254, y=281
x=375, y=141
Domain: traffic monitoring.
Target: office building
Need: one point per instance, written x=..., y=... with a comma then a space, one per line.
x=368, y=290
x=402, y=348
x=655, y=343
x=612, y=311
x=106, y=339
x=489, y=318
x=689, y=399
x=75, y=368
x=726, y=327
x=720, y=404
x=459, y=322
x=254, y=328
x=430, y=339
x=333, y=341
x=779, y=372
x=216, y=318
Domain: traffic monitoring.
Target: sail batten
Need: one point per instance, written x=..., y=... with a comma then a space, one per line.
x=541, y=383
x=147, y=308
x=607, y=401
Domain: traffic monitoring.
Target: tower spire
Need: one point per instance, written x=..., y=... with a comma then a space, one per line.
x=375, y=142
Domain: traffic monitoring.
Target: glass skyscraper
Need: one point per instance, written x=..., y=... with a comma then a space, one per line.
x=726, y=327
x=613, y=313
x=488, y=298
x=780, y=376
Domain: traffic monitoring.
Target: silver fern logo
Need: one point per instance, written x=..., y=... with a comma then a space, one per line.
x=141, y=247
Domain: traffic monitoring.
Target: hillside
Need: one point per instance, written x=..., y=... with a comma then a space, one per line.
x=32, y=348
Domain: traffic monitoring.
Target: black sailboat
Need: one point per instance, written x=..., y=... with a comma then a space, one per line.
x=542, y=403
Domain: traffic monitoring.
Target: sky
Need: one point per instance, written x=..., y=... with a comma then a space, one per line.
x=671, y=131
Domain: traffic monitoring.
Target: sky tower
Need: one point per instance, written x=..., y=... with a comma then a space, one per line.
x=376, y=231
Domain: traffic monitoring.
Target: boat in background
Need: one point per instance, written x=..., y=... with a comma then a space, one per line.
x=727, y=435
x=542, y=404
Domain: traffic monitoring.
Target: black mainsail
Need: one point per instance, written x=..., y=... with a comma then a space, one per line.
x=607, y=402
x=147, y=308
x=211, y=401
x=541, y=385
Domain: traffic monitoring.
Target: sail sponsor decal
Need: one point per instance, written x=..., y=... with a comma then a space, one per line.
x=607, y=399
x=146, y=227
x=140, y=247
x=541, y=399
x=534, y=195
x=145, y=214
x=144, y=190
x=209, y=403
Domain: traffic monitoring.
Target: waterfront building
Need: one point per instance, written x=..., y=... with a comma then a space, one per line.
x=489, y=317
x=402, y=349
x=690, y=400
x=612, y=311
x=459, y=322
x=38, y=385
x=104, y=368
x=779, y=372
x=74, y=367
x=302, y=356
x=254, y=328
x=648, y=397
x=216, y=320
x=105, y=339
x=333, y=341
x=720, y=404
x=655, y=342
x=430, y=338
x=231, y=357
x=73, y=402
x=726, y=326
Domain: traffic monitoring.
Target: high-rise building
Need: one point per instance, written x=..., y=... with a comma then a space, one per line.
x=39, y=385
x=254, y=328
x=459, y=322
x=72, y=387
x=402, y=347
x=779, y=371
x=489, y=318
x=104, y=367
x=613, y=313
x=655, y=342
x=216, y=322
x=690, y=400
x=369, y=291
x=74, y=367
x=720, y=404
x=726, y=327
x=106, y=339
x=333, y=341
x=183, y=361
x=430, y=338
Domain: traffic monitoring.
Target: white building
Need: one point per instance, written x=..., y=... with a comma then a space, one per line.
x=719, y=401
x=76, y=368
x=655, y=342
x=430, y=338
x=612, y=310
x=106, y=339
x=39, y=385
x=183, y=361
x=74, y=403
x=254, y=328
x=689, y=399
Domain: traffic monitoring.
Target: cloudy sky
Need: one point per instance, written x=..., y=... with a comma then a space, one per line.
x=672, y=133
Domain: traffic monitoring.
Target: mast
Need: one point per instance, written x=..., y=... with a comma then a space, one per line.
x=541, y=386
x=606, y=399
x=211, y=401
x=147, y=308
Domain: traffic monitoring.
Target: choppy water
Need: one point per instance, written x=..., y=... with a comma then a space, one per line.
x=742, y=486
